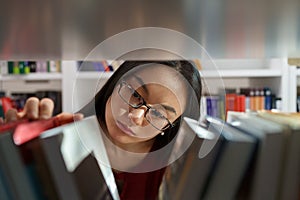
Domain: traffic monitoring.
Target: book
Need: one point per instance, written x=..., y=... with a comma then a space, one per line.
x=208, y=169
x=185, y=178
x=212, y=106
x=4, y=190
x=77, y=161
x=14, y=146
x=290, y=174
x=66, y=162
x=14, y=175
x=231, y=164
x=264, y=179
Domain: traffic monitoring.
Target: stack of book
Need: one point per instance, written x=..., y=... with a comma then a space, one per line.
x=247, y=99
x=251, y=156
x=26, y=67
x=43, y=160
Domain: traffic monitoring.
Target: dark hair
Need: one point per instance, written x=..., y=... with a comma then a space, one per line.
x=186, y=68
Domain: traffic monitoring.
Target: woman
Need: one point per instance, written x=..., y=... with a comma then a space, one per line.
x=140, y=109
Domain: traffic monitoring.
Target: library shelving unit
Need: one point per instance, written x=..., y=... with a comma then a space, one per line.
x=273, y=73
x=79, y=87
x=32, y=82
x=294, y=64
x=276, y=74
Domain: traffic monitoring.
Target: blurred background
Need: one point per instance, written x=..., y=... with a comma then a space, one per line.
x=55, y=29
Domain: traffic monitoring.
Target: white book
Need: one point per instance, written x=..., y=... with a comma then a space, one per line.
x=3, y=67
x=185, y=178
x=265, y=180
x=232, y=162
x=290, y=174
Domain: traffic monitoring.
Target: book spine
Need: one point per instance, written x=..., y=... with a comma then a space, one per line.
x=3, y=67
x=252, y=99
x=268, y=99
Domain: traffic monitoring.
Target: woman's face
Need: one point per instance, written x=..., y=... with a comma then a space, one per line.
x=146, y=100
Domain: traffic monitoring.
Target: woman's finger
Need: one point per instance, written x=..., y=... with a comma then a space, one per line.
x=65, y=118
x=11, y=115
x=46, y=107
x=31, y=109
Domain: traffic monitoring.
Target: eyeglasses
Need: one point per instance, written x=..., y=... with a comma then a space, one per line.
x=155, y=114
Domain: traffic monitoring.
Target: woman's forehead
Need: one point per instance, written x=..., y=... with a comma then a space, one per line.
x=159, y=75
x=154, y=73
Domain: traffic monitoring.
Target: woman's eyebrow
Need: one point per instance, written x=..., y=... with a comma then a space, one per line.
x=140, y=80
x=169, y=108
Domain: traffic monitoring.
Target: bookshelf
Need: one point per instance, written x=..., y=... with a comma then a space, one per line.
x=296, y=68
x=32, y=76
x=75, y=84
x=277, y=74
x=274, y=73
x=30, y=82
x=21, y=84
x=93, y=75
x=298, y=73
x=244, y=73
x=284, y=79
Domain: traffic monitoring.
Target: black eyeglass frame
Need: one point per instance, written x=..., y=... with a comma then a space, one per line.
x=143, y=103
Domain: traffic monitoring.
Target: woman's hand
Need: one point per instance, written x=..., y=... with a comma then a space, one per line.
x=35, y=109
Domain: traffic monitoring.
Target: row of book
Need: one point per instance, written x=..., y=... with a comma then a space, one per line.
x=48, y=160
x=248, y=99
x=251, y=156
x=26, y=67
x=97, y=66
x=18, y=100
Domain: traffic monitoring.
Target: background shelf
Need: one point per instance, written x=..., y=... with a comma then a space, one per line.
x=243, y=73
x=32, y=76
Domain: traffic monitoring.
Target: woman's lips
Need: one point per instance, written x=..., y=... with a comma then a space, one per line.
x=125, y=129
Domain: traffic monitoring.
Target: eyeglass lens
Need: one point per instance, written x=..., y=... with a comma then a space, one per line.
x=155, y=115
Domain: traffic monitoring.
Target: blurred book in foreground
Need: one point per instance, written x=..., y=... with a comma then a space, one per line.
x=66, y=162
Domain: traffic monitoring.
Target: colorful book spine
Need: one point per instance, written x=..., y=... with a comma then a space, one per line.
x=212, y=106
x=247, y=99
x=26, y=67
x=268, y=99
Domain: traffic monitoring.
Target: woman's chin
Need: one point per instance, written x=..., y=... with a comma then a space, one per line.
x=120, y=137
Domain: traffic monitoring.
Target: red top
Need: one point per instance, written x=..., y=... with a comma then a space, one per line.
x=139, y=186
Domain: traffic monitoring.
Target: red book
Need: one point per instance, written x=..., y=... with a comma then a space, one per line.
x=11, y=125
x=241, y=103
x=25, y=130
x=7, y=103
x=230, y=102
x=28, y=131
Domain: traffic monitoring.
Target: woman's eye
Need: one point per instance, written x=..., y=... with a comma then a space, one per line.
x=156, y=113
x=135, y=94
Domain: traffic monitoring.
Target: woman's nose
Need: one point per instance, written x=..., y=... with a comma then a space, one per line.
x=137, y=115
